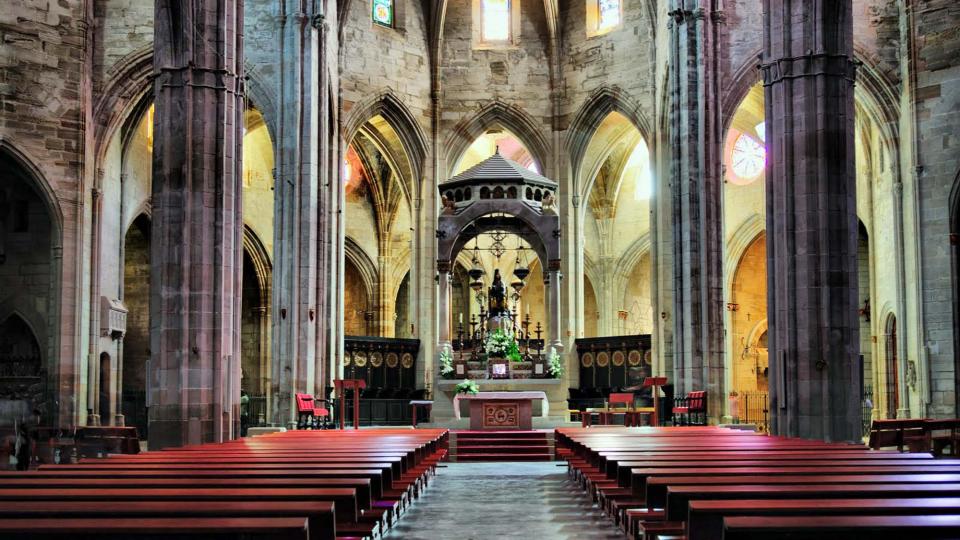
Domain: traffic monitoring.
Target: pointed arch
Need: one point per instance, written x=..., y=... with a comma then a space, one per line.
x=260, y=258
x=595, y=109
x=367, y=268
x=127, y=93
x=398, y=116
x=497, y=114
x=738, y=244
x=33, y=176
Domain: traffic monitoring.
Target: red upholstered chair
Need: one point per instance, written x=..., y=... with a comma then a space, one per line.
x=309, y=415
x=621, y=400
x=692, y=409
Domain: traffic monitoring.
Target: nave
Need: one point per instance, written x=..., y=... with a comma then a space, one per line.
x=504, y=500
x=603, y=482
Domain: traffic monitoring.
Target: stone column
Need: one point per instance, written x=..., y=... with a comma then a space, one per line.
x=551, y=282
x=196, y=237
x=444, y=278
x=695, y=145
x=301, y=228
x=808, y=75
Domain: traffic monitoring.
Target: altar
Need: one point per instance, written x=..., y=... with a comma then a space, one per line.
x=501, y=410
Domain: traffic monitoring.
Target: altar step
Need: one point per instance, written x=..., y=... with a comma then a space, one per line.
x=501, y=446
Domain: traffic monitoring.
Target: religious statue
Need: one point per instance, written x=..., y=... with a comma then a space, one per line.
x=449, y=207
x=497, y=296
x=548, y=205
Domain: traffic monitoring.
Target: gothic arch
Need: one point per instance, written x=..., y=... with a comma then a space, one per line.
x=33, y=176
x=412, y=138
x=595, y=109
x=497, y=113
x=129, y=85
x=634, y=253
x=743, y=79
x=30, y=318
x=262, y=99
x=260, y=258
x=741, y=240
x=367, y=268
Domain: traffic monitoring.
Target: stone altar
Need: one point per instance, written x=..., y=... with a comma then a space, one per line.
x=501, y=410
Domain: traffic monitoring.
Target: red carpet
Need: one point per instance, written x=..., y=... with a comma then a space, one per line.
x=502, y=445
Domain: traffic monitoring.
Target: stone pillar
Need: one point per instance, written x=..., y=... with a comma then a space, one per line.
x=551, y=282
x=444, y=278
x=695, y=145
x=808, y=75
x=196, y=238
x=300, y=226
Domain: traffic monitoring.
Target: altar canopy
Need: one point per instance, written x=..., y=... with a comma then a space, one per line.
x=484, y=396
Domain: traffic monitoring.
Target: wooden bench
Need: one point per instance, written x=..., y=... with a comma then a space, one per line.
x=678, y=497
x=843, y=527
x=656, y=495
x=705, y=518
x=319, y=515
x=885, y=433
x=232, y=528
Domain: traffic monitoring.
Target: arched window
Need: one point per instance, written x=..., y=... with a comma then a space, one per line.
x=383, y=12
x=609, y=14
x=603, y=16
x=495, y=20
x=749, y=157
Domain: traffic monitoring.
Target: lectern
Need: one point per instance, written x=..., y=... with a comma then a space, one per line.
x=341, y=386
x=655, y=383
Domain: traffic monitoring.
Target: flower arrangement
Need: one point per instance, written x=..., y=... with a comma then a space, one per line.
x=446, y=361
x=467, y=387
x=502, y=345
x=554, y=365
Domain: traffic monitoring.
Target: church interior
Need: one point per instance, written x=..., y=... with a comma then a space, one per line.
x=337, y=269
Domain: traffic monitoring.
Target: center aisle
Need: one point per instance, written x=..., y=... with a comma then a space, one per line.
x=470, y=501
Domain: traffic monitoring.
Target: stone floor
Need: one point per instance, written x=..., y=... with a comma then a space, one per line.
x=474, y=501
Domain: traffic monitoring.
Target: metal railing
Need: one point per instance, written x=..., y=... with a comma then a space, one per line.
x=754, y=409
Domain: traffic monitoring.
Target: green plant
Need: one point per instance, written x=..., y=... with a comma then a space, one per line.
x=502, y=345
x=554, y=364
x=467, y=387
x=446, y=361
x=514, y=352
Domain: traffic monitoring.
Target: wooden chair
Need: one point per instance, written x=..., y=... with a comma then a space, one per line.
x=309, y=415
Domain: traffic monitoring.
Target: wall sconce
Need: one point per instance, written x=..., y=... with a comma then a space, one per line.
x=283, y=313
x=663, y=315
x=311, y=314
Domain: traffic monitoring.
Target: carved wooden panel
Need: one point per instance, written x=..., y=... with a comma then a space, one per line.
x=501, y=415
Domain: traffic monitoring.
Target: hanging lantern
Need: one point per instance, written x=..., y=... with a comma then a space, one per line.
x=520, y=269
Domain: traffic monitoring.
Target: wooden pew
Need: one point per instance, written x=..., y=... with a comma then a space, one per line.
x=360, y=486
x=843, y=527
x=320, y=515
x=374, y=476
x=678, y=497
x=345, y=499
x=656, y=495
x=705, y=519
x=175, y=528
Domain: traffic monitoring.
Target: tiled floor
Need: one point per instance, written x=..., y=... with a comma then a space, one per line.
x=474, y=501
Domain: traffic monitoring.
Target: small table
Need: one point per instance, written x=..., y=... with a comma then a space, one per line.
x=415, y=404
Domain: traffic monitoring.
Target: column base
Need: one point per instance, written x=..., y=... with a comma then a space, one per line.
x=93, y=420
x=118, y=420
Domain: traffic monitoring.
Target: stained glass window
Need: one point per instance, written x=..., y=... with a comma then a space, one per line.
x=383, y=12
x=749, y=157
x=609, y=14
x=496, y=20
